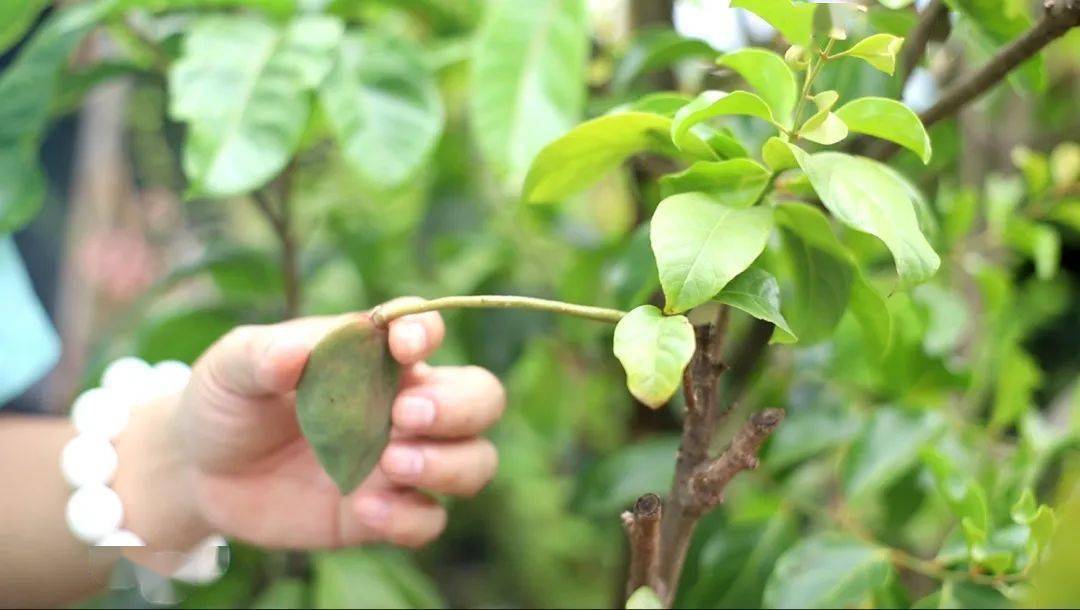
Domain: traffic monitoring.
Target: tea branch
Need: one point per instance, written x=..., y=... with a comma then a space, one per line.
x=642, y=526
x=388, y=312
x=1058, y=17
x=700, y=480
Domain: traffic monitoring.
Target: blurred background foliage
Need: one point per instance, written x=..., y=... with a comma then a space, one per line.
x=909, y=476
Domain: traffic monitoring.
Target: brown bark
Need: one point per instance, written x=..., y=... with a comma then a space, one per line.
x=642, y=526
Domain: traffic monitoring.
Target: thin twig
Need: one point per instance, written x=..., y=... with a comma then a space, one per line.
x=273, y=202
x=919, y=38
x=1059, y=16
x=388, y=312
x=710, y=480
x=643, y=530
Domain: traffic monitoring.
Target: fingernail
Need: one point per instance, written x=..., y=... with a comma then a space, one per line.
x=403, y=461
x=411, y=337
x=415, y=412
x=373, y=510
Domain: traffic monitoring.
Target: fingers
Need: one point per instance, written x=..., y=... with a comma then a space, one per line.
x=263, y=360
x=450, y=402
x=403, y=517
x=460, y=468
x=415, y=337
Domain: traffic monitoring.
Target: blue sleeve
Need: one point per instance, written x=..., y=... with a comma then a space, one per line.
x=29, y=346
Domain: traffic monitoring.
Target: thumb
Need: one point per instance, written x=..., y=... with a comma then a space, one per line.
x=254, y=360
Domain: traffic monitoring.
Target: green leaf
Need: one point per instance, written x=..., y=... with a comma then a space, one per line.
x=632, y=272
x=770, y=75
x=186, y=333
x=887, y=119
x=735, y=182
x=1017, y=379
x=1039, y=520
x=1067, y=213
x=665, y=103
x=829, y=570
x=1036, y=169
x=809, y=431
x=878, y=50
x=964, y=496
x=711, y=104
x=737, y=558
x=282, y=593
x=822, y=269
x=777, y=155
x=701, y=245
x=243, y=86
x=1038, y=241
x=654, y=49
x=16, y=17
x=383, y=106
x=623, y=476
x=997, y=23
x=528, y=79
x=957, y=593
x=887, y=449
x=654, y=349
x=644, y=599
x=586, y=153
x=948, y=318
x=27, y=90
x=367, y=578
x=756, y=292
x=870, y=198
x=794, y=21
x=872, y=313
x=1065, y=165
x=824, y=127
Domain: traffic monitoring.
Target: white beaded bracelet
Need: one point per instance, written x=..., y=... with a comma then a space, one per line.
x=95, y=513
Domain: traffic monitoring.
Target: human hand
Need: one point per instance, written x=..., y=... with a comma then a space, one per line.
x=243, y=469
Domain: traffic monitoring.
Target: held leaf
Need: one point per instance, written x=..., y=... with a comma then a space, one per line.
x=654, y=349
x=343, y=401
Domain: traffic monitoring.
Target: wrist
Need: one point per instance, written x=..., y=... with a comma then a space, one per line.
x=155, y=480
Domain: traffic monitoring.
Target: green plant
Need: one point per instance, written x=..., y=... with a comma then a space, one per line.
x=756, y=216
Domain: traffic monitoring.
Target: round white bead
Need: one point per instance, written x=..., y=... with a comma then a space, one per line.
x=126, y=372
x=94, y=512
x=122, y=538
x=167, y=378
x=101, y=412
x=88, y=460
